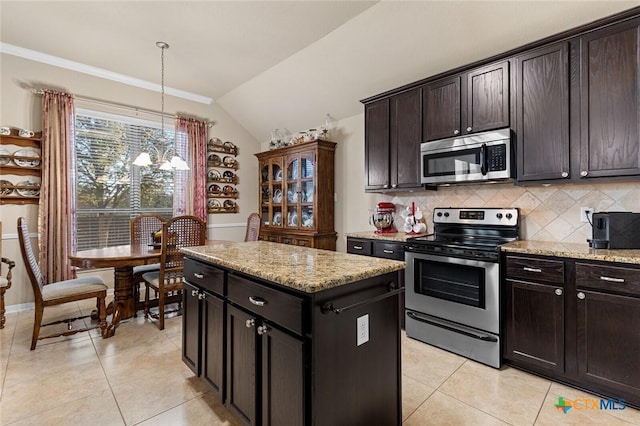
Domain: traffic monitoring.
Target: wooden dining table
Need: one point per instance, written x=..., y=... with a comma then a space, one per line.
x=122, y=259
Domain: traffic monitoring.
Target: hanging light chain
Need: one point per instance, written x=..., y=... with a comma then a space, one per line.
x=162, y=45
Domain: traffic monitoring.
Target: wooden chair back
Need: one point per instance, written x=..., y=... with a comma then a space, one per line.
x=253, y=227
x=143, y=226
x=178, y=232
x=30, y=260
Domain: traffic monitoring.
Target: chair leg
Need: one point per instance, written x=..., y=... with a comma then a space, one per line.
x=102, y=315
x=146, y=300
x=136, y=297
x=161, y=310
x=2, y=310
x=36, y=325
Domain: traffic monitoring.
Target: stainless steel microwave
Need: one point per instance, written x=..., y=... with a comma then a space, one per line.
x=481, y=157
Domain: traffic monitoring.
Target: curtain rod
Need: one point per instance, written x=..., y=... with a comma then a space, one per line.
x=121, y=106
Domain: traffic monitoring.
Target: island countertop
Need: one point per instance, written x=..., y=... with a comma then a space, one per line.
x=572, y=250
x=301, y=268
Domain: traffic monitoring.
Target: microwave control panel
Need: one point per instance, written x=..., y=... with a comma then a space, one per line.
x=497, y=158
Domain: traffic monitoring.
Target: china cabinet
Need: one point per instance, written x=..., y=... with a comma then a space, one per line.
x=296, y=187
x=222, y=176
x=20, y=158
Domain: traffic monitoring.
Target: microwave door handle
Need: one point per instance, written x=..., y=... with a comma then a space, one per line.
x=483, y=159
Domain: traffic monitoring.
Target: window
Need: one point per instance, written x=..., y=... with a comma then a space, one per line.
x=109, y=190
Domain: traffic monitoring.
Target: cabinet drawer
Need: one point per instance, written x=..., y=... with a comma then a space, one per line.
x=603, y=277
x=393, y=251
x=281, y=308
x=359, y=246
x=205, y=276
x=529, y=268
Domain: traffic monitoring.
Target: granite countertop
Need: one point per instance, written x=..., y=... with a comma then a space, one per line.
x=572, y=250
x=301, y=268
x=399, y=236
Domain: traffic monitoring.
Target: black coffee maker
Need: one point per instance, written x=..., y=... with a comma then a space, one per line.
x=615, y=230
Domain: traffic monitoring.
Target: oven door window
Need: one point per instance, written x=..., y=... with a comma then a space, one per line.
x=452, y=163
x=462, y=284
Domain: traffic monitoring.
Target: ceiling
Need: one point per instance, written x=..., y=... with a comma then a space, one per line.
x=285, y=64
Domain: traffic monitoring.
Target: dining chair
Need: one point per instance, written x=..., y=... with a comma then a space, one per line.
x=253, y=227
x=58, y=293
x=5, y=281
x=142, y=227
x=178, y=232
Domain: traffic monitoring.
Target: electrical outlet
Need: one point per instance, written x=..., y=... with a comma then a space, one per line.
x=585, y=214
x=363, y=330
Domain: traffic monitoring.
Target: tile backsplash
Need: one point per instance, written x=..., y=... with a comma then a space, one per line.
x=548, y=213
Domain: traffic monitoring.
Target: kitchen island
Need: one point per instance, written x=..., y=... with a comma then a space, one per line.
x=293, y=335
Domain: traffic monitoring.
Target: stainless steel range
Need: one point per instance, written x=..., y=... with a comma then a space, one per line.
x=453, y=281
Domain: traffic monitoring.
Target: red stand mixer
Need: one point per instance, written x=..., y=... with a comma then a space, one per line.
x=383, y=217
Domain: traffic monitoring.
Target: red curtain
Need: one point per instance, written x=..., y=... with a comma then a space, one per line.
x=191, y=140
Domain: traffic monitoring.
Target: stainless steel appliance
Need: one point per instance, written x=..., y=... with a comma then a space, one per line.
x=452, y=293
x=615, y=230
x=480, y=157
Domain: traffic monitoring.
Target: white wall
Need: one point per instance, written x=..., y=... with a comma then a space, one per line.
x=21, y=108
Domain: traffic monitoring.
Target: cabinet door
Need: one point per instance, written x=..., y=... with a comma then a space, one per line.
x=376, y=145
x=535, y=325
x=609, y=341
x=441, y=108
x=283, y=372
x=610, y=97
x=241, y=365
x=213, y=343
x=191, y=328
x=405, y=139
x=487, y=98
x=542, y=113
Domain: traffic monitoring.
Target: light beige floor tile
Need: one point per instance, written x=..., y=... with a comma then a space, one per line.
x=428, y=364
x=414, y=393
x=97, y=409
x=508, y=394
x=200, y=411
x=149, y=396
x=441, y=409
x=26, y=399
x=552, y=415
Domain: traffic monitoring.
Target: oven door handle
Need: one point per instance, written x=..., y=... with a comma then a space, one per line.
x=452, y=327
x=483, y=159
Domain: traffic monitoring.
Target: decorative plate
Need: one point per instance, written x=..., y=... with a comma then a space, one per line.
x=278, y=175
x=213, y=188
x=7, y=156
x=229, y=145
x=277, y=218
x=228, y=189
x=229, y=161
x=26, y=162
x=212, y=203
x=6, y=191
x=214, y=159
x=228, y=174
x=228, y=204
x=28, y=192
x=277, y=196
x=213, y=174
x=214, y=142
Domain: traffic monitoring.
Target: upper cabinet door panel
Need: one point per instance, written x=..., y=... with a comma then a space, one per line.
x=442, y=108
x=376, y=141
x=406, y=136
x=610, y=101
x=487, y=98
x=542, y=113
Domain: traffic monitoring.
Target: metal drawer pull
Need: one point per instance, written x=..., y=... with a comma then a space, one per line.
x=613, y=280
x=451, y=327
x=328, y=306
x=559, y=291
x=194, y=292
x=198, y=275
x=202, y=296
x=258, y=301
x=388, y=251
x=357, y=247
x=538, y=270
x=581, y=296
x=250, y=323
x=263, y=329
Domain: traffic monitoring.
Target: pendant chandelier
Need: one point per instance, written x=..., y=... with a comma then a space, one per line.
x=144, y=158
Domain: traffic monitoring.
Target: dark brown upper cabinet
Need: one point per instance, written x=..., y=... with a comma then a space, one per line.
x=470, y=102
x=393, y=133
x=541, y=118
x=610, y=101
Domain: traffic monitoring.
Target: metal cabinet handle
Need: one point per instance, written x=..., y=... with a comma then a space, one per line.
x=581, y=296
x=263, y=329
x=357, y=247
x=558, y=291
x=258, y=301
x=385, y=186
x=613, y=280
x=388, y=251
x=202, y=296
x=565, y=174
x=198, y=275
x=455, y=132
x=250, y=323
x=584, y=173
x=194, y=293
x=469, y=129
x=537, y=270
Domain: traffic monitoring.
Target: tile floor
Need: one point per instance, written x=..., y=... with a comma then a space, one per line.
x=85, y=380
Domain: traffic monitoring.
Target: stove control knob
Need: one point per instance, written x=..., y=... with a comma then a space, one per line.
x=439, y=214
x=509, y=216
x=446, y=214
x=499, y=215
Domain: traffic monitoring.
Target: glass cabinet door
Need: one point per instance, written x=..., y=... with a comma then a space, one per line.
x=265, y=193
x=293, y=192
x=307, y=191
x=277, y=193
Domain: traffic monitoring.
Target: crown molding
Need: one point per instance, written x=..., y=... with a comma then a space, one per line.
x=55, y=61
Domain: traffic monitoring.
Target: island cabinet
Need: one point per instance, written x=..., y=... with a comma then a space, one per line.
x=575, y=321
x=470, y=102
x=393, y=133
x=298, y=351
